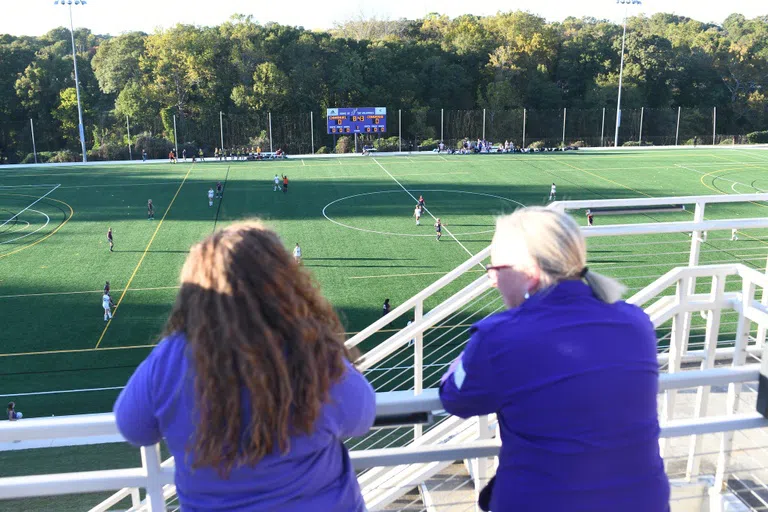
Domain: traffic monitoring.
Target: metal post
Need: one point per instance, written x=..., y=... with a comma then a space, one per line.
x=77, y=88
x=714, y=125
x=693, y=260
x=621, y=75
x=762, y=327
x=418, y=360
x=150, y=461
x=175, y=139
x=677, y=130
x=270, y=131
x=524, y=119
x=483, y=124
x=441, y=125
x=128, y=127
x=640, y=139
x=34, y=146
x=602, y=130
x=355, y=142
x=565, y=113
x=221, y=128
x=312, y=130
x=400, y=129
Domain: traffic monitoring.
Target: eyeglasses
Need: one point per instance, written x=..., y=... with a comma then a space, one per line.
x=488, y=268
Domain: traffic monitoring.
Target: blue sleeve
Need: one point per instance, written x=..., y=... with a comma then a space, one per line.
x=470, y=387
x=355, y=403
x=134, y=409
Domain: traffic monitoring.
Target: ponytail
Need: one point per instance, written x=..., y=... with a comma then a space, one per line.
x=605, y=288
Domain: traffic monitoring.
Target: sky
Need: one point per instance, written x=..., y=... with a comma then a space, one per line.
x=35, y=17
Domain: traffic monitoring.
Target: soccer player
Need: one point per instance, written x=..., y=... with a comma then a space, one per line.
x=297, y=253
x=285, y=184
x=200, y=154
x=143, y=155
x=216, y=154
x=170, y=157
x=590, y=218
x=385, y=308
x=184, y=154
x=150, y=210
x=219, y=193
x=106, y=288
x=106, y=302
x=422, y=204
x=733, y=235
x=439, y=229
x=110, y=240
x=553, y=192
x=277, y=184
x=210, y=197
x=417, y=214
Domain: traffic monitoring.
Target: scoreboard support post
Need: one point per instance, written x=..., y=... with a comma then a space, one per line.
x=441, y=125
x=221, y=128
x=175, y=139
x=269, y=115
x=483, y=124
x=400, y=129
x=524, y=115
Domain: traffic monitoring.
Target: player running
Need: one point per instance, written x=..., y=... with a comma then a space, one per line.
x=277, y=184
x=285, y=184
x=590, y=218
x=106, y=302
x=422, y=204
x=210, y=197
x=297, y=253
x=106, y=288
x=110, y=240
x=733, y=235
x=219, y=191
x=439, y=229
x=553, y=192
x=150, y=210
x=417, y=214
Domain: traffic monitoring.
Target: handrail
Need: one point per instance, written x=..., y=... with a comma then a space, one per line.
x=659, y=201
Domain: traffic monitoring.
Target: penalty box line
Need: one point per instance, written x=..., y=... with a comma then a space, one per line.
x=33, y=203
x=427, y=209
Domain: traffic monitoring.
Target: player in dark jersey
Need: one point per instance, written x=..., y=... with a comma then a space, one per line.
x=150, y=210
x=110, y=240
x=106, y=288
x=422, y=203
x=218, y=189
x=590, y=218
x=439, y=229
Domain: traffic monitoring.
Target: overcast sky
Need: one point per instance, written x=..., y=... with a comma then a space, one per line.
x=35, y=17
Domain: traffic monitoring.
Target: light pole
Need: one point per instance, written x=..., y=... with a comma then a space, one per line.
x=74, y=60
x=621, y=68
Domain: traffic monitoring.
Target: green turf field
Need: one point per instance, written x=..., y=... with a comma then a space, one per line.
x=352, y=217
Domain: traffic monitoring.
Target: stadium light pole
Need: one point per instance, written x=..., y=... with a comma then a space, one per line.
x=627, y=3
x=74, y=60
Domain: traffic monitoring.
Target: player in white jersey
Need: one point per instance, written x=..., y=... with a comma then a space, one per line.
x=733, y=235
x=210, y=197
x=552, y=192
x=277, y=184
x=417, y=214
x=106, y=302
x=297, y=253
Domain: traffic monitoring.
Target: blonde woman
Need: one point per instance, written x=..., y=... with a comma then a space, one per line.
x=252, y=387
x=571, y=371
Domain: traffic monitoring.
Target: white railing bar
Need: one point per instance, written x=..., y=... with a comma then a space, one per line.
x=658, y=201
x=713, y=424
x=709, y=377
x=58, y=427
x=649, y=228
x=425, y=293
x=720, y=353
x=77, y=483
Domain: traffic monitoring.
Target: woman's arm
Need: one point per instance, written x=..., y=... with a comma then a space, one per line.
x=134, y=409
x=469, y=387
x=354, y=398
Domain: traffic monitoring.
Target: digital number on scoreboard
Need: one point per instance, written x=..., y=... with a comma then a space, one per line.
x=357, y=120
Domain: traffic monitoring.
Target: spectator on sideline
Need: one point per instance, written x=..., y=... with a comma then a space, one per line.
x=143, y=155
x=385, y=308
x=252, y=387
x=571, y=372
x=12, y=414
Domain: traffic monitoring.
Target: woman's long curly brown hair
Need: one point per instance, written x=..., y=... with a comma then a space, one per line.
x=256, y=323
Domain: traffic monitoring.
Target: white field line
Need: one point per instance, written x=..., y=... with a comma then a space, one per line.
x=720, y=177
x=30, y=205
x=61, y=392
x=47, y=221
x=427, y=209
x=31, y=186
x=45, y=294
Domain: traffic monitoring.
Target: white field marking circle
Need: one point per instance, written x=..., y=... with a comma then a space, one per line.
x=47, y=221
x=398, y=191
x=16, y=228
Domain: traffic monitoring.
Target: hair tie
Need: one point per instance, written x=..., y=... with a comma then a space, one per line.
x=583, y=272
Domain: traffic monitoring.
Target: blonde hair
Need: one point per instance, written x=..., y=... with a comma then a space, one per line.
x=556, y=245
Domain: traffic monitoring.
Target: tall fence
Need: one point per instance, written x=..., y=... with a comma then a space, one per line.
x=110, y=137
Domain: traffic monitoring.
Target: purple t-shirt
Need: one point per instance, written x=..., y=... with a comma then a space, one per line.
x=573, y=382
x=316, y=473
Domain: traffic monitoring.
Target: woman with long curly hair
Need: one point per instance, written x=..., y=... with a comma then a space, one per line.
x=251, y=387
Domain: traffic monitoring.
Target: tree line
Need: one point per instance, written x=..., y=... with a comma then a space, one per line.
x=244, y=69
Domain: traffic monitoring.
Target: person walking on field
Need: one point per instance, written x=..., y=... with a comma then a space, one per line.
x=285, y=184
x=579, y=427
x=297, y=253
x=251, y=388
x=150, y=210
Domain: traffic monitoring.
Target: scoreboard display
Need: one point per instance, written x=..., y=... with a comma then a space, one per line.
x=357, y=120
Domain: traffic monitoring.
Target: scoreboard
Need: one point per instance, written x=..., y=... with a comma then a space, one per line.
x=357, y=120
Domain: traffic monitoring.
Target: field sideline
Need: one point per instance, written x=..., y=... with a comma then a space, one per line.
x=352, y=217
